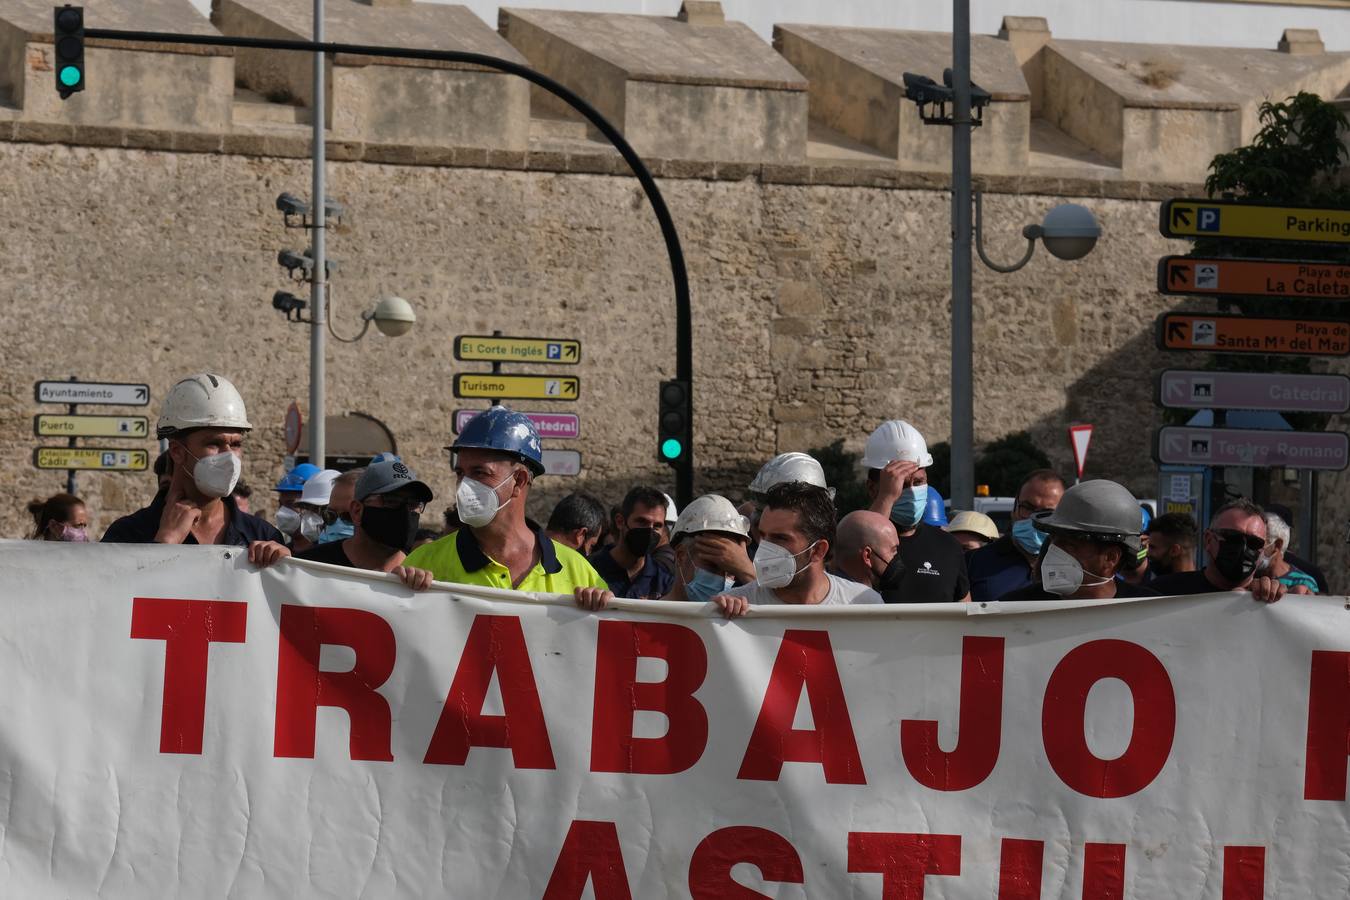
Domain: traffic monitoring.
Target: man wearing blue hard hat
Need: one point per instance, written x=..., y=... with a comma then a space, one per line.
x=496, y=458
x=288, y=491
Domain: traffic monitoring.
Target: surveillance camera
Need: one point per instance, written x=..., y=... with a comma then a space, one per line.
x=287, y=303
x=1069, y=231
x=291, y=205
x=292, y=261
x=333, y=209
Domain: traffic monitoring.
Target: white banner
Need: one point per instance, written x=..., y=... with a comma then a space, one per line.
x=176, y=724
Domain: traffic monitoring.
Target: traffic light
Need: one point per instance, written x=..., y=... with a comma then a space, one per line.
x=68, y=39
x=674, y=423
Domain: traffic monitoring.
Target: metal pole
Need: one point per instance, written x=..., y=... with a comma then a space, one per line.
x=963, y=391
x=71, y=442
x=1307, y=516
x=317, y=305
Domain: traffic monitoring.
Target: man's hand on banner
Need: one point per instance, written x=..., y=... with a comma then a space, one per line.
x=414, y=578
x=1266, y=590
x=263, y=553
x=592, y=598
x=731, y=605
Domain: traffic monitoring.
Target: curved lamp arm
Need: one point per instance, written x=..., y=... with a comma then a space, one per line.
x=1031, y=233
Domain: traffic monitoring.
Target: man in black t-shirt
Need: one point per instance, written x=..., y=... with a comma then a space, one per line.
x=1093, y=535
x=386, y=512
x=1234, y=543
x=931, y=566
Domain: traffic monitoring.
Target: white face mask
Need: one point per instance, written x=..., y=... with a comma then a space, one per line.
x=775, y=567
x=288, y=520
x=478, y=503
x=217, y=474
x=311, y=525
x=1062, y=574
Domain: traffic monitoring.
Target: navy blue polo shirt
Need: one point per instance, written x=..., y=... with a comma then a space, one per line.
x=652, y=583
x=996, y=569
x=241, y=528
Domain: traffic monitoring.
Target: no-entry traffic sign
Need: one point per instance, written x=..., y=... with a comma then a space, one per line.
x=1183, y=445
x=1187, y=275
x=1184, y=218
x=1245, y=334
x=1277, y=391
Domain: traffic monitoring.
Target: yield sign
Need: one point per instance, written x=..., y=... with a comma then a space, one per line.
x=1079, y=438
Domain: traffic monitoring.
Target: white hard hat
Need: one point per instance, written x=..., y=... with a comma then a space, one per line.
x=894, y=440
x=201, y=401
x=672, y=514
x=711, y=512
x=319, y=488
x=788, y=467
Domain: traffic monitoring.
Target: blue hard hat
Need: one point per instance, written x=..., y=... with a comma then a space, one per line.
x=294, y=480
x=1148, y=517
x=935, y=513
x=506, y=431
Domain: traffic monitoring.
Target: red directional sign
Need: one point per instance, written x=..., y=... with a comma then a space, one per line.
x=1183, y=445
x=1253, y=278
x=1247, y=334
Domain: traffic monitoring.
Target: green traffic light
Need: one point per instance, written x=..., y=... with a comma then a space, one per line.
x=70, y=76
x=671, y=448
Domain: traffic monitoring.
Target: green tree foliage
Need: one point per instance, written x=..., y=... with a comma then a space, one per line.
x=1006, y=462
x=843, y=473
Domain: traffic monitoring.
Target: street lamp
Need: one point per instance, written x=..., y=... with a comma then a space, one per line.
x=393, y=316
x=1069, y=231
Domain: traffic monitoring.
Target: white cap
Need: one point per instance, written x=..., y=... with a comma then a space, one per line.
x=201, y=401
x=711, y=512
x=894, y=440
x=788, y=467
x=672, y=514
x=319, y=488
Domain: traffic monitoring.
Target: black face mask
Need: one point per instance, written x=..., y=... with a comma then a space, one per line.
x=1160, y=566
x=1236, y=560
x=395, y=528
x=890, y=579
x=641, y=541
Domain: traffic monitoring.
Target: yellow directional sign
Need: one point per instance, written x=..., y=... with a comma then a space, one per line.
x=91, y=426
x=107, y=459
x=518, y=349
x=1230, y=219
x=517, y=387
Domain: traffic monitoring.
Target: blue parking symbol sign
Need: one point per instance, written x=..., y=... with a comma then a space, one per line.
x=555, y=351
x=1209, y=219
x=109, y=459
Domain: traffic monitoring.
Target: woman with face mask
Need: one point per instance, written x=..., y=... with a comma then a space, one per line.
x=61, y=517
x=204, y=422
x=1093, y=535
x=703, y=528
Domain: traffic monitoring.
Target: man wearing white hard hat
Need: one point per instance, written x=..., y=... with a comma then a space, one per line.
x=931, y=566
x=313, y=509
x=204, y=422
x=784, y=468
x=705, y=524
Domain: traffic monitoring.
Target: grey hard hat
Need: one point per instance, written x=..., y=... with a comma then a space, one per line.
x=1099, y=510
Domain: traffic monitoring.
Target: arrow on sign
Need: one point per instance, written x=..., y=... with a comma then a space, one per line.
x=1175, y=444
x=1176, y=331
x=139, y=426
x=1174, y=389
x=1181, y=275
x=142, y=393
x=571, y=352
x=570, y=387
x=1181, y=216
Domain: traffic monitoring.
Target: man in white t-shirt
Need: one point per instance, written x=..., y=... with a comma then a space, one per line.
x=796, y=530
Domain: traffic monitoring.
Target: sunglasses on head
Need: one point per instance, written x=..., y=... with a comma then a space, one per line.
x=1253, y=541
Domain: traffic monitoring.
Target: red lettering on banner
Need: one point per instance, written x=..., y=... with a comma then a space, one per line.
x=618, y=694
x=495, y=644
x=1103, y=871
x=1062, y=718
x=302, y=688
x=1244, y=873
x=1328, y=726
x=805, y=662
x=1019, y=869
x=979, y=725
x=187, y=628
x=770, y=852
x=903, y=859
x=590, y=852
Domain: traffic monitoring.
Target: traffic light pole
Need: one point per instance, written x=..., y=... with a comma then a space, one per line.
x=318, y=286
x=684, y=349
x=963, y=382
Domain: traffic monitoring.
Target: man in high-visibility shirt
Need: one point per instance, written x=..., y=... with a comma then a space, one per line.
x=496, y=457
